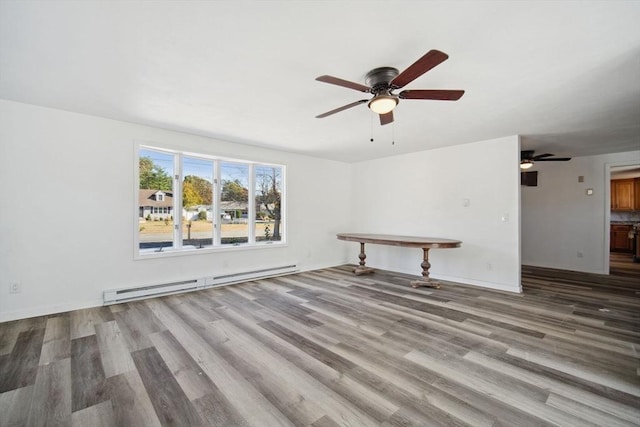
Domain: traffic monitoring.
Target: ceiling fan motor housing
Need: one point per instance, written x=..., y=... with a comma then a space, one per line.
x=378, y=79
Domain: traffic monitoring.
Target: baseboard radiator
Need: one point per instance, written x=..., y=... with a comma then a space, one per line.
x=115, y=296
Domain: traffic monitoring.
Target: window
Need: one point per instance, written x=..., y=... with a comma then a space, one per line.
x=268, y=202
x=191, y=202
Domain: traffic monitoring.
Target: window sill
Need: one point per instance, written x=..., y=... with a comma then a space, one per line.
x=155, y=254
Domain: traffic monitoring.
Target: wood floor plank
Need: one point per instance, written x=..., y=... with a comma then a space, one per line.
x=9, y=331
x=136, y=324
x=20, y=367
x=89, y=382
x=114, y=353
x=191, y=378
x=130, y=401
x=15, y=406
x=582, y=410
x=57, y=342
x=99, y=415
x=325, y=356
x=171, y=404
x=325, y=421
x=216, y=411
x=83, y=321
x=51, y=401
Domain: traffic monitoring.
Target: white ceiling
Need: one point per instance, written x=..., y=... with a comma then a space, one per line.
x=565, y=75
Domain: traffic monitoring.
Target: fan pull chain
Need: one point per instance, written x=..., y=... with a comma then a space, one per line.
x=393, y=133
x=371, y=115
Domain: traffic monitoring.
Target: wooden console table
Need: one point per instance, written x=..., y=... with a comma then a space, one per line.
x=425, y=243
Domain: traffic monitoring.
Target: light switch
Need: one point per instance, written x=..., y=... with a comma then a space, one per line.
x=466, y=203
x=589, y=191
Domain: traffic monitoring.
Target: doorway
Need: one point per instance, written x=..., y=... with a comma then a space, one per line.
x=623, y=220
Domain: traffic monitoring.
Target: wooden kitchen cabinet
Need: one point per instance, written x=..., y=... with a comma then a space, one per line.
x=623, y=195
x=619, y=238
x=636, y=192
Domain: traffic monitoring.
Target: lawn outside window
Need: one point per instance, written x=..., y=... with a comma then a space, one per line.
x=190, y=203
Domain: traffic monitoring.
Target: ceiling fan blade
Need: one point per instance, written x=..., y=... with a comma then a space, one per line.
x=542, y=156
x=344, y=83
x=344, y=107
x=526, y=155
x=385, y=119
x=418, y=68
x=555, y=159
x=442, y=95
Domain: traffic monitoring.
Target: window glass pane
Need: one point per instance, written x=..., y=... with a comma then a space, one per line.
x=155, y=200
x=234, y=203
x=197, y=203
x=268, y=193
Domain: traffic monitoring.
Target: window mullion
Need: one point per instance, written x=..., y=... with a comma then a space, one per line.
x=217, y=191
x=251, y=211
x=177, y=202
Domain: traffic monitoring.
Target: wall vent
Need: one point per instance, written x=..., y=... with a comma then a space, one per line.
x=116, y=296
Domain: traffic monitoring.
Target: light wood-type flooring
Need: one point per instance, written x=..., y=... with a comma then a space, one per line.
x=325, y=348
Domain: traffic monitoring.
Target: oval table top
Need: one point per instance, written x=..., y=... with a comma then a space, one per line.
x=394, y=240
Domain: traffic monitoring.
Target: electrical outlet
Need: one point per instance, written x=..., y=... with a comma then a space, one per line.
x=580, y=254
x=489, y=266
x=15, y=288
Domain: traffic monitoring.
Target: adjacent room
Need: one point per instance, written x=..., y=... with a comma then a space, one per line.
x=263, y=213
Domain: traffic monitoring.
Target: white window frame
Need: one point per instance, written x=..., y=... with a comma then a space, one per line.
x=217, y=246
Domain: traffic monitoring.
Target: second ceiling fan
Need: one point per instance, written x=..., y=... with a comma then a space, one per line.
x=527, y=158
x=383, y=81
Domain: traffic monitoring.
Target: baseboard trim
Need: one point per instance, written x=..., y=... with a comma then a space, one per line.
x=513, y=288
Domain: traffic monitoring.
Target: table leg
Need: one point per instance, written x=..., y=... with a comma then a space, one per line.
x=425, y=281
x=362, y=269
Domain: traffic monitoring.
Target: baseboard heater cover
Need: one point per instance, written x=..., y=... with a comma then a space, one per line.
x=227, y=279
x=131, y=294
x=115, y=296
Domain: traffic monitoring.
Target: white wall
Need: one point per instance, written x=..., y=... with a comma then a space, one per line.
x=423, y=194
x=67, y=220
x=559, y=219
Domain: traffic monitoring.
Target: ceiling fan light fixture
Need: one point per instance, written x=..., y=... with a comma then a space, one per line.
x=382, y=104
x=526, y=164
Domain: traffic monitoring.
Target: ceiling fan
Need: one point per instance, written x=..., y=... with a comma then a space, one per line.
x=381, y=82
x=527, y=159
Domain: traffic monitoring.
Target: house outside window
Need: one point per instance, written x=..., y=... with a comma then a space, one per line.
x=192, y=202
